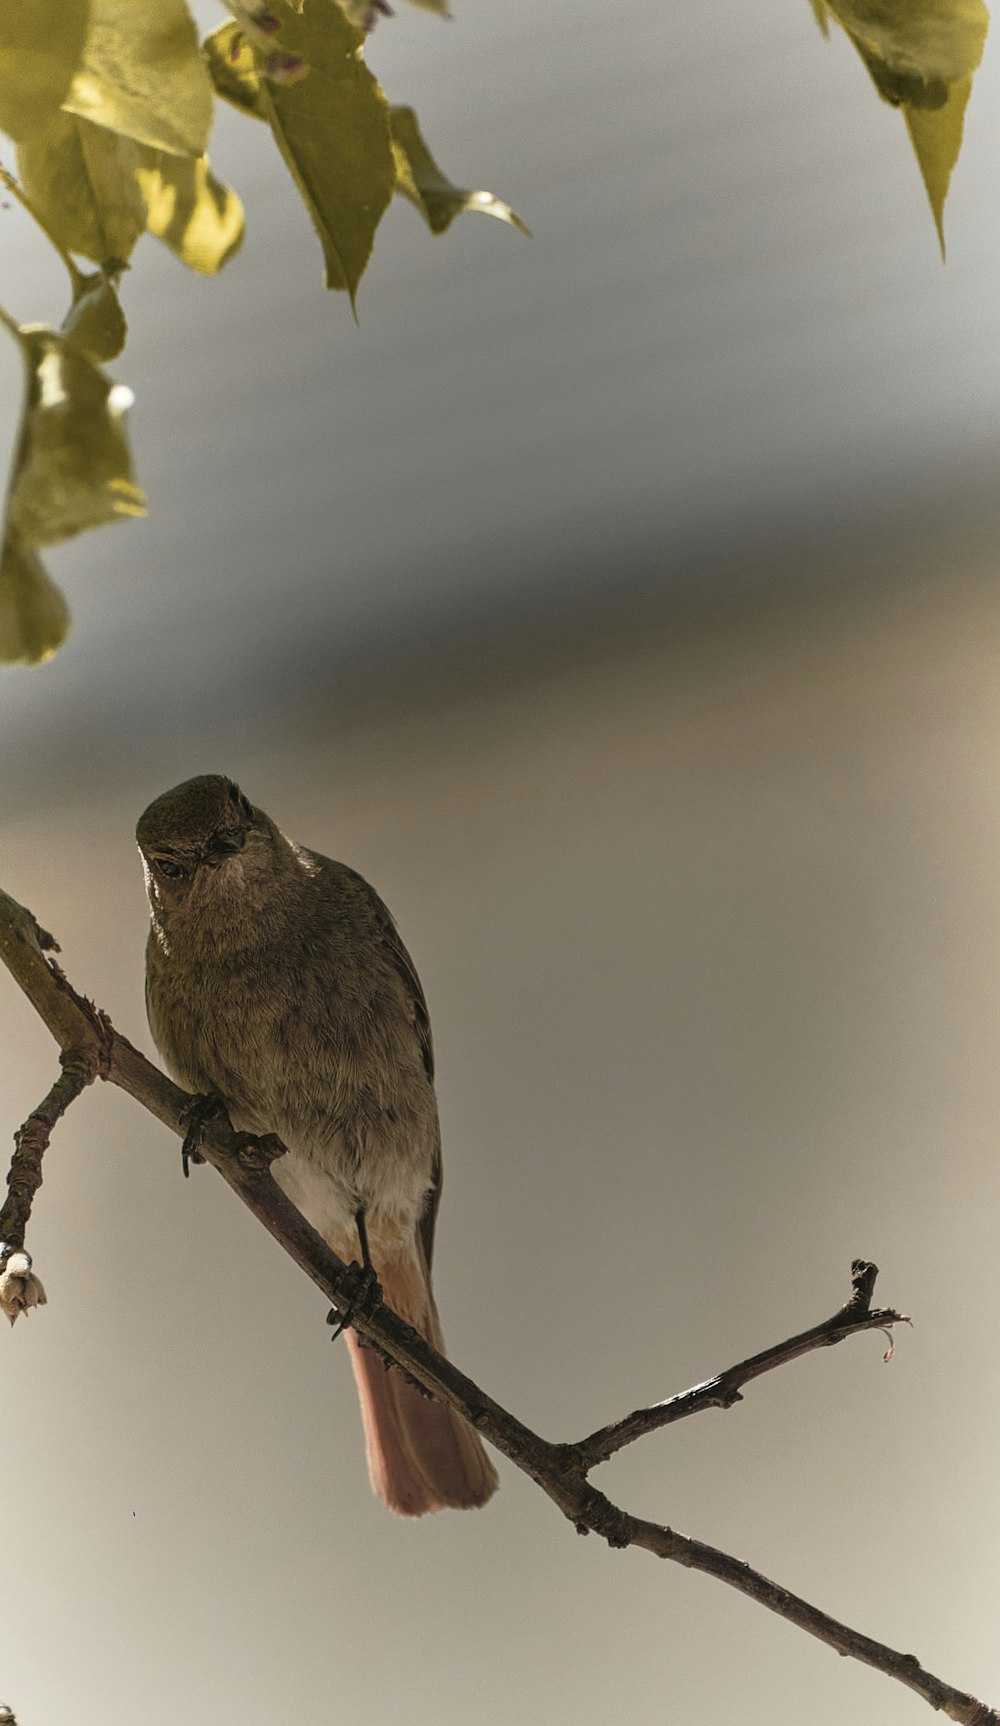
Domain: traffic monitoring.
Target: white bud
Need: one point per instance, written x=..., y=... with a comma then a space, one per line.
x=20, y=1290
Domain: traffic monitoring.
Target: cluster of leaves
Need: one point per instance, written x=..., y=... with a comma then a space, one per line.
x=921, y=55
x=110, y=104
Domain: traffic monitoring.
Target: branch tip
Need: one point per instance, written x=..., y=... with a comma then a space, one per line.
x=863, y=1276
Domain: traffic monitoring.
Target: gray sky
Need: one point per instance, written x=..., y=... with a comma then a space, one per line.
x=623, y=603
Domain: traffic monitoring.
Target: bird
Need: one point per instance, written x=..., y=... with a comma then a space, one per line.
x=276, y=982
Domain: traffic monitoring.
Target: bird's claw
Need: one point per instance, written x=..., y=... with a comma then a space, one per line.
x=363, y=1296
x=199, y=1113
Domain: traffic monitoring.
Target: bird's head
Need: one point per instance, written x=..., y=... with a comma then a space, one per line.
x=201, y=840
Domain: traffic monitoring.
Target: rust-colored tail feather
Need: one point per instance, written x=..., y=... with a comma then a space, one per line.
x=421, y=1455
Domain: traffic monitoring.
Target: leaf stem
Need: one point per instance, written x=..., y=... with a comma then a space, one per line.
x=17, y=190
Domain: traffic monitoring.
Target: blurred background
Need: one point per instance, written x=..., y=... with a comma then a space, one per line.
x=623, y=603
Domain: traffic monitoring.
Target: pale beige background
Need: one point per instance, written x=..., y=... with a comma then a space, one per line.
x=626, y=607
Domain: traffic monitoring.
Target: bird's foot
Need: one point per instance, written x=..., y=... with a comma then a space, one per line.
x=199, y=1113
x=363, y=1296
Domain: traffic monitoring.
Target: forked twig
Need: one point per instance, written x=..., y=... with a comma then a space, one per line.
x=726, y=1388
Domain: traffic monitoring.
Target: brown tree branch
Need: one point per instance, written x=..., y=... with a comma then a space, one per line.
x=726, y=1388
x=561, y=1470
x=30, y=1144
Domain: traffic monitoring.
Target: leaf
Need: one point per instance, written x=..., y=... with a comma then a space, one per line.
x=366, y=13
x=332, y=128
x=41, y=49
x=82, y=181
x=72, y=468
x=936, y=136
x=143, y=75
x=71, y=471
x=98, y=192
x=897, y=87
x=923, y=41
x=232, y=68
x=34, y=617
x=419, y=178
x=921, y=55
x=189, y=209
x=95, y=321
x=820, y=15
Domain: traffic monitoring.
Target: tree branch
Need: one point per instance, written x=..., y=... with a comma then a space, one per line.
x=30, y=1144
x=91, y=1046
x=725, y=1389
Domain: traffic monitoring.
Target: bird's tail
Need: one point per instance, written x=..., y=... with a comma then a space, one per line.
x=421, y=1455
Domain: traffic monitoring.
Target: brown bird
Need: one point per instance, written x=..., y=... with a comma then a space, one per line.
x=276, y=980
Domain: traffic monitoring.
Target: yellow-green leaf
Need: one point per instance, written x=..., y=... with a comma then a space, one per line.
x=143, y=75
x=82, y=181
x=95, y=321
x=419, y=178
x=820, y=15
x=921, y=55
x=936, y=136
x=41, y=49
x=98, y=192
x=332, y=128
x=232, y=68
x=189, y=209
x=919, y=40
x=899, y=87
x=34, y=616
x=72, y=468
x=366, y=13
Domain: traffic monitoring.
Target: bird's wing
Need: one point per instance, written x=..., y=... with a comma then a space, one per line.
x=422, y=1025
x=420, y=1018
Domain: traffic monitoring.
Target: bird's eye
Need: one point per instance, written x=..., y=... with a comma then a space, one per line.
x=166, y=867
x=229, y=839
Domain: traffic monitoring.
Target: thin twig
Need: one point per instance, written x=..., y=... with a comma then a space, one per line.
x=559, y=1469
x=726, y=1388
x=31, y=1142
